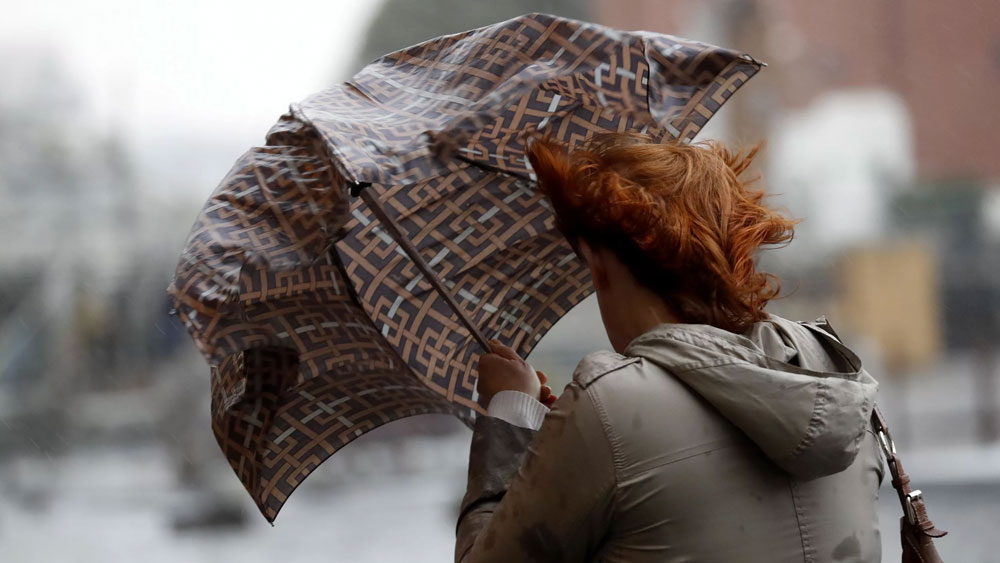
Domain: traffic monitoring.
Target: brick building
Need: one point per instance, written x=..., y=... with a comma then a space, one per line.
x=942, y=58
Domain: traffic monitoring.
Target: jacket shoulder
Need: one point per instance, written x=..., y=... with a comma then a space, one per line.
x=598, y=364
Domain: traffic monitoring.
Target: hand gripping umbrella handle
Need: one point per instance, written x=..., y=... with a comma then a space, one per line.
x=394, y=231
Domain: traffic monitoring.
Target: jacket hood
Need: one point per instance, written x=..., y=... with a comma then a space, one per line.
x=792, y=388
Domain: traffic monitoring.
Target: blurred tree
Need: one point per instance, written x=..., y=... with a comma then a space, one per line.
x=401, y=23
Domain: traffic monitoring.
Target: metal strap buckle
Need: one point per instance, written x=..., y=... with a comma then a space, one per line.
x=888, y=446
x=911, y=514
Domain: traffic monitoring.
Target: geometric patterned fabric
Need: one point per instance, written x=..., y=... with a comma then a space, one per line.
x=315, y=323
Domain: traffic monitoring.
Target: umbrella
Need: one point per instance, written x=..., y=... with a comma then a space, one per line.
x=347, y=273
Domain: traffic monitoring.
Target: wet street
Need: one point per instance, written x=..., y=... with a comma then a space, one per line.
x=120, y=506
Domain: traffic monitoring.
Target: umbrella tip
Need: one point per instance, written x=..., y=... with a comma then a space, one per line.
x=751, y=59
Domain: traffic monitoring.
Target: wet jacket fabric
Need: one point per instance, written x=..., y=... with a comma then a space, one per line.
x=696, y=444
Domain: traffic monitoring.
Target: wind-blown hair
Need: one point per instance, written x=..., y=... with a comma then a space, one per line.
x=677, y=215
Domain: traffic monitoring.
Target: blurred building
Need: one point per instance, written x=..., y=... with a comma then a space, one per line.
x=942, y=58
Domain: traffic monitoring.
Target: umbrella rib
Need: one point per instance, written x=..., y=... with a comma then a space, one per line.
x=404, y=242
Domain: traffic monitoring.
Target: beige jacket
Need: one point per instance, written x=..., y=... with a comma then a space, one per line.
x=695, y=445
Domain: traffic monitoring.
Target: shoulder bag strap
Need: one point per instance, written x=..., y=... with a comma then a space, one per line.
x=915, y=527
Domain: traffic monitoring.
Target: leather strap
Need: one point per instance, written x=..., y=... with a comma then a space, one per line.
x=910, y=500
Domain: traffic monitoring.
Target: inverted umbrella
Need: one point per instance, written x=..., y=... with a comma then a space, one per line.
x=340, y=276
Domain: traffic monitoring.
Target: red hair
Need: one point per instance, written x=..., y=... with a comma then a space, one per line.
x=677, y=215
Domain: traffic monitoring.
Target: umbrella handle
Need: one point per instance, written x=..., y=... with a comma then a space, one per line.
x=404, y=242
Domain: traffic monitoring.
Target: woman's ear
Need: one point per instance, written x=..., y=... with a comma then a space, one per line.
x=595, y=261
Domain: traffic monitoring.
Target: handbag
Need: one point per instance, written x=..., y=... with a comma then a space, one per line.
x=916, y=531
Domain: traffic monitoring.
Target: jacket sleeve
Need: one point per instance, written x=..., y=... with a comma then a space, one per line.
x=538, y=496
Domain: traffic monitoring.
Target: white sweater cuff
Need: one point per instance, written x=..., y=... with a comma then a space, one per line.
x=517, y=408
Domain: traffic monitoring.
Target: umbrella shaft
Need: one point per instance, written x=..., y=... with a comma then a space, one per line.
x=404, y=242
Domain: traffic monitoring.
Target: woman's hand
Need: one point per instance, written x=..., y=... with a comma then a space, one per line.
x=503, y=370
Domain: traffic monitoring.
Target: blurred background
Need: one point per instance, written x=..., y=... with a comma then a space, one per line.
x=118, y=118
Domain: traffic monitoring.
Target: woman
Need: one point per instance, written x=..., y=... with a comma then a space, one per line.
x=714, y=431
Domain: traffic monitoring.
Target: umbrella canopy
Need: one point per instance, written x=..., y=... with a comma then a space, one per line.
x=324, y=315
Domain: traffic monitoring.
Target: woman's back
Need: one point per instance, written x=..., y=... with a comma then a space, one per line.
x=691, y=485
x=695, y=445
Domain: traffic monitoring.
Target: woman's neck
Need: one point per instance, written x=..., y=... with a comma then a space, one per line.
x=630, y=311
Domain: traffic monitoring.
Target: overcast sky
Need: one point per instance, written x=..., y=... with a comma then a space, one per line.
x=190, y=83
